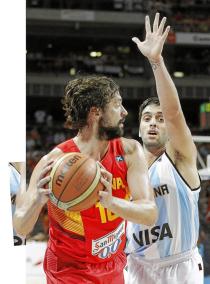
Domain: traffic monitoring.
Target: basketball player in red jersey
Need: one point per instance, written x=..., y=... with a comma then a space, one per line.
x=87, y=246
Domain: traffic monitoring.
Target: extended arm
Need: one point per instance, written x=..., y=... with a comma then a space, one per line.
x=179, y=134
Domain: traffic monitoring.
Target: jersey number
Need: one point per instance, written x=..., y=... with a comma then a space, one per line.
x=105, y=214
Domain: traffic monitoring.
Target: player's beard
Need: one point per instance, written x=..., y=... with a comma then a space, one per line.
x=109, y=132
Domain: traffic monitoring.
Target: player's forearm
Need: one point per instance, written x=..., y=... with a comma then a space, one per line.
x=166, y=89
x=25, y=216
x=139, y=212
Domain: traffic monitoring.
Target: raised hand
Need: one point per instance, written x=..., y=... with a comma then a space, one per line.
x=152, y=46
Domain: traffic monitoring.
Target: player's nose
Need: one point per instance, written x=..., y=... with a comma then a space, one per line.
x=152, y=122
x=124, y=111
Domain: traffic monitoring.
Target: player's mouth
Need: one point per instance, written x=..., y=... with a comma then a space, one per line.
x=121, y=122
x=152, y=133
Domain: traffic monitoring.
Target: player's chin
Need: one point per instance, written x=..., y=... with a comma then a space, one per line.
x=150, y=142
x=121, y=127
x=152, y=138
x=121, y=131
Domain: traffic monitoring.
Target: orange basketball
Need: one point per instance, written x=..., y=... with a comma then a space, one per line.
x=75, y=182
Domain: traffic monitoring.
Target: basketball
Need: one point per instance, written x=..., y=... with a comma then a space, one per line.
x=75, y=182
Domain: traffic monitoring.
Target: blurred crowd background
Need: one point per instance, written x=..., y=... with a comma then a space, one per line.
x=70, y=37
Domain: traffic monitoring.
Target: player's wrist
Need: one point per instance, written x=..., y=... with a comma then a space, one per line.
x=113, y=204
x=155, y=62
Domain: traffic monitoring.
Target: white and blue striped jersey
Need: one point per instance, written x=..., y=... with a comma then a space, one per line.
x=14, y=187
x=176, y=230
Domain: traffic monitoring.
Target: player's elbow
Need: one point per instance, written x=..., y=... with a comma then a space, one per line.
x=18, y=225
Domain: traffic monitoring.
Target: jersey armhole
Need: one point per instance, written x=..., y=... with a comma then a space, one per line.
x=192, y=189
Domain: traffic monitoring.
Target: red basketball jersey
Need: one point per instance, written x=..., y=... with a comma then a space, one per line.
x=96, y=234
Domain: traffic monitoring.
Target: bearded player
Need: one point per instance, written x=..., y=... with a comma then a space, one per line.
x=87, y=246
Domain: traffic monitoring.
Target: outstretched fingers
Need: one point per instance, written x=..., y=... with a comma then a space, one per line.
x=152, y=46
x=147, y=24
x=137, y=41
x=161, y=26
x=156, y=22
x=165, y=34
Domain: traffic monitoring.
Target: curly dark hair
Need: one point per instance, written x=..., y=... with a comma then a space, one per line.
x=83, y=93
x=149, y=101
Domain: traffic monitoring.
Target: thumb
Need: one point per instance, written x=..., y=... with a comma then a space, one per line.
x=136, y=40
x=102, y=194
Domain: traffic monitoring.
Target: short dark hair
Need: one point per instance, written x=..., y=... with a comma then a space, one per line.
x=83, y=93
x=149, y=101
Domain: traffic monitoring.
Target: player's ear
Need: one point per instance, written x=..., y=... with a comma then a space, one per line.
x=95, y=111
x=94, y=115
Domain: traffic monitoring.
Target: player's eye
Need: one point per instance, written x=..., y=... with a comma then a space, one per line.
x=161, y=119
x=118, y=104
x=146, y=118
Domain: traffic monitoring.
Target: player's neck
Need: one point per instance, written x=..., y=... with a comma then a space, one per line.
x=92, y=146
x=152, y=154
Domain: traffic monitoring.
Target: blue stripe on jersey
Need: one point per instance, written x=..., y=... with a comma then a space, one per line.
x=186, y=207
x=163, y=246
x=14, y=180
x=197, y=223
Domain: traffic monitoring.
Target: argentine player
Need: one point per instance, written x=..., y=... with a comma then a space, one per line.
x=166, y=252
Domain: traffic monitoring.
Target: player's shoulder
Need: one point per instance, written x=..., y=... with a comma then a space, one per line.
x=52, y=155
x=130, y=146
x=46, y=159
